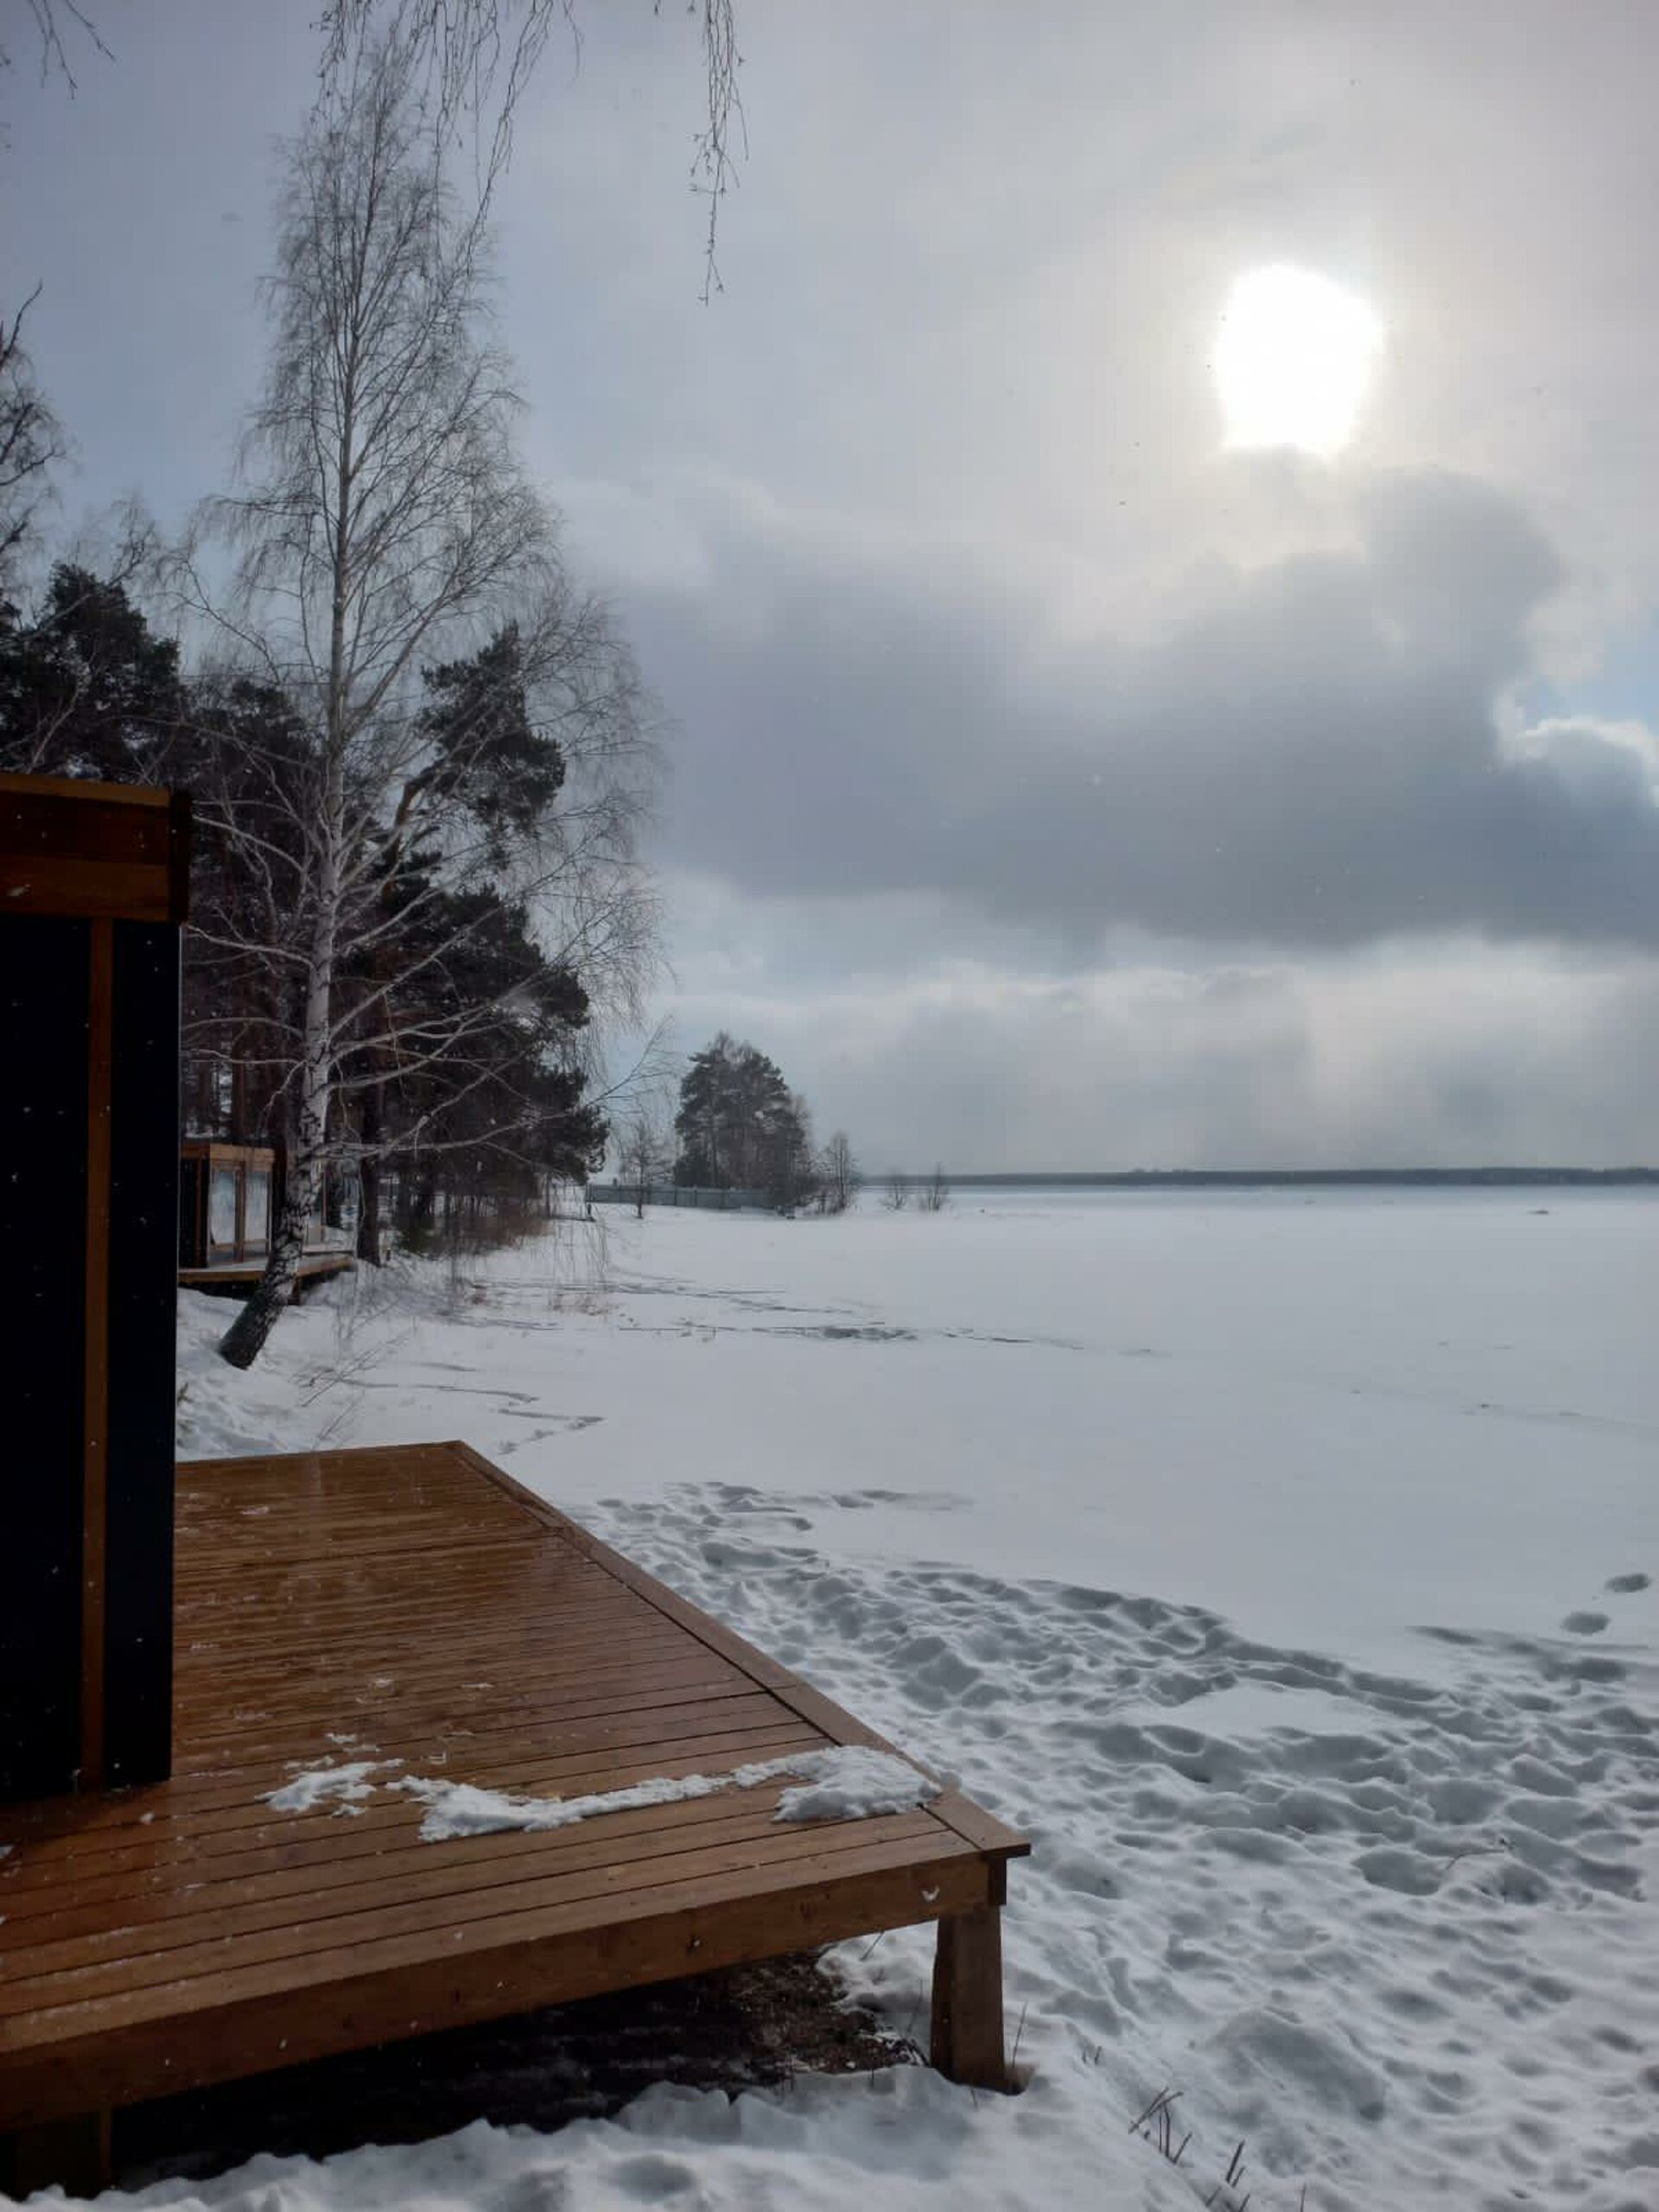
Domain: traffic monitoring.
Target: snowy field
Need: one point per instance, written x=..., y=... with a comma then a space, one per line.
x=1279, y=1562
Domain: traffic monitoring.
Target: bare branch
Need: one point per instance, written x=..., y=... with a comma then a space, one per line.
x=470, y=61
x=31, y=438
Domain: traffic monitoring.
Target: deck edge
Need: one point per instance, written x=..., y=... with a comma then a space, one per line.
x=971, y=1822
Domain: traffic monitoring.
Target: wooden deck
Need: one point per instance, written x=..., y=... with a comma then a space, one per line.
x=417, y=1602
x=236, y=1278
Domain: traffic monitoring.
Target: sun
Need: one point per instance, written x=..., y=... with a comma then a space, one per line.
x=1293, y=360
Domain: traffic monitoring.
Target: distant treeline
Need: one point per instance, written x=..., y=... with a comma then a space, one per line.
x=1210, y=1178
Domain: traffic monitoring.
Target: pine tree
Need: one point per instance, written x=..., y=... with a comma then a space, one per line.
x=86, y=689
x=740, y=1127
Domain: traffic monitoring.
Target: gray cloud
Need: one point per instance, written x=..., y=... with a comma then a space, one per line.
x=1461, y=1055
x=1310, y=758
x=985, y=654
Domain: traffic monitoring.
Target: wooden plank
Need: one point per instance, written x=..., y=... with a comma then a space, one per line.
x=311, y=1267
x=472, y=1545
x=391, y=1686
x=841, y=1727
x=182, y=1855
x=267, y=1882
x=413, y=1699
x=551, y=1620
x=135, y=890
x=117, y=2060
x=225, y=1945
x=214, y=1149
x=231, y=1934
x=415, y=1731
x=214, y=1801
x=187, y=1931
x=79, y=789
x=550, y=1615
x=370, y=1593
x=365, y=1696
x=210, y=1818
x=472, y=1548
x=70, y=847
x=545, y=1625
x=722, y=1709
x=479, y=1945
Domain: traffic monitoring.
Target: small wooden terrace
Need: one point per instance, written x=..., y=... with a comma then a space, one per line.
x=178, y=1645
x=227, y=1196
x=414, y=1605
x=236, y=1278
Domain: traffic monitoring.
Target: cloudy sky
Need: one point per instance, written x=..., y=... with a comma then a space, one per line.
x=1096, y=742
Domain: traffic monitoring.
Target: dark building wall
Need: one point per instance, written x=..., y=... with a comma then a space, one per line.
x=92, y=882
x=44, y=984
x=143, y=1212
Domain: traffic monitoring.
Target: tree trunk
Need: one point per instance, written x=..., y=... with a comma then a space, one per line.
x=368, y=1213
x=368, y=1210
x=245, y=1339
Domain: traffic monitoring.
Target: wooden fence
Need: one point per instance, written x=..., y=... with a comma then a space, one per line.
x=676, y=1194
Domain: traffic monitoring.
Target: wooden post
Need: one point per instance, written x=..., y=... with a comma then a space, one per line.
x=967, y=1999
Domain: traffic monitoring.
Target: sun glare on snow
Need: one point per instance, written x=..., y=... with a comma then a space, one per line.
x=1293, y=360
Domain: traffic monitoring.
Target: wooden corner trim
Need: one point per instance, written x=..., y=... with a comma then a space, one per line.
x=86, y=787
x=74, y=848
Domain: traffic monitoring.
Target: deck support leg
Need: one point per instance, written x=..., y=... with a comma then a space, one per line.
x=967, y=1999
x=75, y=2154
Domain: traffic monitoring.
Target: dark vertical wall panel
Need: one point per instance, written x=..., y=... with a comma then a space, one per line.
x=144, y=1244
x=193, y=1203
x=43, y=980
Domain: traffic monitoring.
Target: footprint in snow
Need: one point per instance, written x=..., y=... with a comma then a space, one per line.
x=1623, y=1584
x=1584, y=1623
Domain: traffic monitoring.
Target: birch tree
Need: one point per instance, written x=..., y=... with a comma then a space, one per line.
x=31, y=440
x=644, y=1154
x=386, y=528
x=472, y=60
x=840, y=1178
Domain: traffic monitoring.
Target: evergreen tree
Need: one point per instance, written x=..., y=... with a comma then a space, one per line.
x=740, y=1127
x=86, y=689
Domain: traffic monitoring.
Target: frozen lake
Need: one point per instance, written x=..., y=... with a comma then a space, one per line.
x=1352, y=1412
x=1282, y=1561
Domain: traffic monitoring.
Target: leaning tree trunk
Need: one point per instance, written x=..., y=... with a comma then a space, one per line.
x=245, y=1339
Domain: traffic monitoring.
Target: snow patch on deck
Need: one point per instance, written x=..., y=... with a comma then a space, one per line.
x=847, y=1783
x=340, y=1786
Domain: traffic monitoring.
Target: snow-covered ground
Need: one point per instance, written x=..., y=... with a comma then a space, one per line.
x=1279, y=1562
